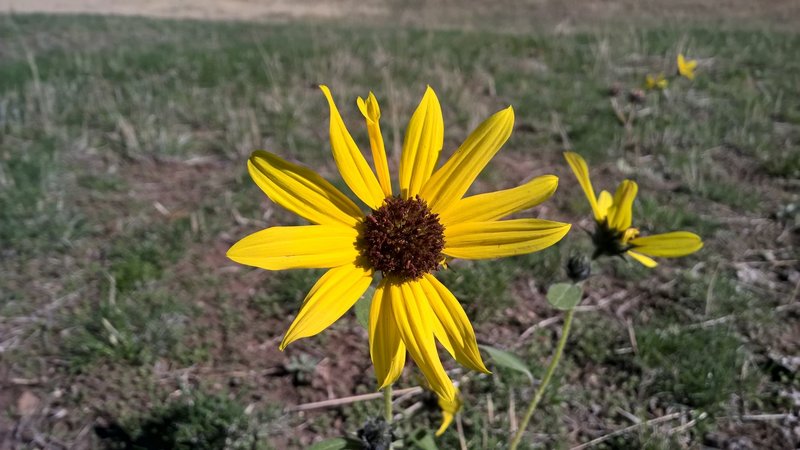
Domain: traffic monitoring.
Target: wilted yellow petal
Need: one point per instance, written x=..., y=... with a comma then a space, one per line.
x=372, y=113
x=351, y=163
x=386, y=349
x=308, y=247
x=449, y=410
x=481, y=240
x=416, y=331
x=335, y=292
x=448, y=184
x=620, y=214
x=423, y=143
x=581, y=171
x=455, y=323
x=668, y=245
x=301, y=190
x=496, y=205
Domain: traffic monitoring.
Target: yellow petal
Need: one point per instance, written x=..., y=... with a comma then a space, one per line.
x=604, y=202
x=581, y=171
x=481, y=240
x=455, y=323
x=372, y=113
x=351, y=163
x=686, y=67
x=301, y=190
x=496, y=205
x=308, y=247
x=423, y=143
x=453, y=179
x=668, y=245
x=416, y=331
x=620, y=214
x=335, y=292
x=449, y=410
x=644, y=260
x=386, y=349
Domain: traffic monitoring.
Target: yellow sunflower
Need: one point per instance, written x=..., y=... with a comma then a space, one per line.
x=403, y=237
x=686, y=67
x=613, y=216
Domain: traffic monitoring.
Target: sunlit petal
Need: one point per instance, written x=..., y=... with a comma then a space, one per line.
x=496, y=205
x=416, y=331
x=386, y=349
x=644, y=260
x=308, y=247
x=335, y=292
x=620, y=214
x=453, y=179
x=423, y=142
x=301, y=190
x=481, y=240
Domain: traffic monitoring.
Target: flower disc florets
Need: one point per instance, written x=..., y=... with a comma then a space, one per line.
x=403, y=239
x=608, y=241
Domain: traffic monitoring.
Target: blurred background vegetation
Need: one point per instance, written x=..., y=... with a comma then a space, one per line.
x=123, y=143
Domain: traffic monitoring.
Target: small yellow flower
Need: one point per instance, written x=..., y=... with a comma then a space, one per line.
x=449, y=410
x=653, y=82
x=686, y=67
x=613, y=215
x=404, y=237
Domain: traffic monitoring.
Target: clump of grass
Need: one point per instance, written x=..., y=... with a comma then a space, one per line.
x=197, y=421
x=700, y=368
x=135, y=329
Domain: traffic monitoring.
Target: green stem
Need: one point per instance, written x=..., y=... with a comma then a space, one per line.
x=545, y=381
x=387, y=404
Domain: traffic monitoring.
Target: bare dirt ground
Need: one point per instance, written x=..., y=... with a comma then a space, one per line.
x=513, y=15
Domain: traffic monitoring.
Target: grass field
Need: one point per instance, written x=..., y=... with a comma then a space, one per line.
x=123, y=182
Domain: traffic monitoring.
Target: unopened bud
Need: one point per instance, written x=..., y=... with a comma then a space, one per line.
x=578, y=268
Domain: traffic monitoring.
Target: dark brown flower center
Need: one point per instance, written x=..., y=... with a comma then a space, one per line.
x=403, y=239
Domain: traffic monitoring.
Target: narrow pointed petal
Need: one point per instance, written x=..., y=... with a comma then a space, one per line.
x=448, y=184
x=301, y=191
x=455, y=323
x=620, y=214
x=300, y=247
x=351, y=163
x=496, y=205
x=604, y=202
x=481, y=240
x=372, y=114
x=423, y=143
x=416, y=331
x=386, y=349
x=668, y=245
x=581, y=171
x=335, y=292
x=644, y=260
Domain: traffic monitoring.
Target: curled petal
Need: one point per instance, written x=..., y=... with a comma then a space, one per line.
x=351, y=163
x=581, y=171
x=620, y=214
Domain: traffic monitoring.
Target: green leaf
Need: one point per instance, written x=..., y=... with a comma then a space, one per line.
x=362, y=307
x=338, y=443
x=508, y=360
x=423, y=440
x=564, y=296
